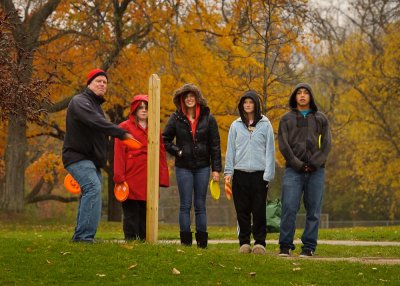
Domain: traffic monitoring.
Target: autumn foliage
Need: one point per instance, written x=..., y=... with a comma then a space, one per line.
x=226, y=48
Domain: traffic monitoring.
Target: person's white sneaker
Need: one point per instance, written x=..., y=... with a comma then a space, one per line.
x=245, y=248
x=259, y=249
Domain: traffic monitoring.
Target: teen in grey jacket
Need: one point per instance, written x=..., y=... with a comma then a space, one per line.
x=305, y=141
x=250, y=164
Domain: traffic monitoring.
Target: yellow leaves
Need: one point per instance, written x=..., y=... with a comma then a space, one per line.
x=47, y=166
x=132, y=266
x=100, y=274
x=367, y=122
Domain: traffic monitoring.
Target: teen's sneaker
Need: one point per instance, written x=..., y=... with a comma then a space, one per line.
x=245, y=248
x=306, y=253
x=259, y=249
x=284, y=252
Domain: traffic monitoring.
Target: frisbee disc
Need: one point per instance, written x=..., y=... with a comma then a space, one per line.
x=228, y=191
x=132, y=143
x=215, y=190
x=121, y=191
x=71, y=185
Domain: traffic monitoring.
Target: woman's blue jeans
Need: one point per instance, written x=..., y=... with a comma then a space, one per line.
x=311, y=187
x=192, y=183
x=89, y=208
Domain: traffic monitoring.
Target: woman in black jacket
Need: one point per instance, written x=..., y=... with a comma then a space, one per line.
x=196, y=147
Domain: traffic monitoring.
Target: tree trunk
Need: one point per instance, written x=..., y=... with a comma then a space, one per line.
x=12, y=197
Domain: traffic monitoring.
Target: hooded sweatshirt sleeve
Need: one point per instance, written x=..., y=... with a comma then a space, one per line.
x=230, y=151
x=285, y=148
x=269, y=172
x=320, y=156
x=84, y=111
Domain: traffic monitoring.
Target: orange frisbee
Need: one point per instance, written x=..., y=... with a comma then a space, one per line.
x=121, y=191
x=132, y=143
x=71, y=185
x=228, y=191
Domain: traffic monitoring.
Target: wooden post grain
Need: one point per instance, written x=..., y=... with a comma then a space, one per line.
x=153, y=155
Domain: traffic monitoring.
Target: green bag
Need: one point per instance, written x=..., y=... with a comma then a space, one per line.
x=273, y=210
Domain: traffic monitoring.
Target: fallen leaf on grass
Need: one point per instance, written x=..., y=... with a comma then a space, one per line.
x=252, y=274
x=296, y=269
x=180, y=251
x=374, y=268
x=48, y=261
x=383, y=280
x=175, y=271
x=127, y=246
x=237, y=268
x=100, y=275
x=132, y=266
x=65, y=253
x=295, y=264
x=223, y=266
x=360, y=273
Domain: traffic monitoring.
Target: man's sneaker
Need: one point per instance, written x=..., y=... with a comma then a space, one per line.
x=245, y=248
x=259, y=249
x=306, y=253
x=284, y=252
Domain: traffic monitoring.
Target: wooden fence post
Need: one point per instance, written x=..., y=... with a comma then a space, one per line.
x=153, y=155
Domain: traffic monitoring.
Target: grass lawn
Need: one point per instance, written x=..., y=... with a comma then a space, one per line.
x=41, y=254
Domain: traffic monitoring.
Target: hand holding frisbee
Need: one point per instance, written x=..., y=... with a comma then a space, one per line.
x=131, y=142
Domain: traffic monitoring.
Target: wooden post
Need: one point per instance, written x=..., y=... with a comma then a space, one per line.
x=153, y=159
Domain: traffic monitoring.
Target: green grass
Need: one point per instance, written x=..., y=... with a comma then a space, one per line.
x=41, y=254
x=55, y=261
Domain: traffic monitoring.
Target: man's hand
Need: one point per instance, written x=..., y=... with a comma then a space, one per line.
x=128, y=136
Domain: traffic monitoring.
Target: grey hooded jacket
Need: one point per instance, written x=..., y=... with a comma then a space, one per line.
x=304, y=140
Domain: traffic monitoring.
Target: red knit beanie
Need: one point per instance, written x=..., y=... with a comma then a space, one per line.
x=93, y=74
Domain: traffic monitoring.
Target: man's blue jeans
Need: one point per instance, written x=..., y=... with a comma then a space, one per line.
x=192, y=182
x=311, y=187
x=89, y=208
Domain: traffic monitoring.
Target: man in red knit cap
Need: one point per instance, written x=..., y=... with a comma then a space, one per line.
x=84, y=152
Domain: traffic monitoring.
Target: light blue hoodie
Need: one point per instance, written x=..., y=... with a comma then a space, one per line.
x=251, y=151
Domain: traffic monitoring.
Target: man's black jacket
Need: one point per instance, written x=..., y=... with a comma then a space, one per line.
x=87, y=130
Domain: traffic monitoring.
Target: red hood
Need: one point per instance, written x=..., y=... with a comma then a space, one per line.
x=135, y=103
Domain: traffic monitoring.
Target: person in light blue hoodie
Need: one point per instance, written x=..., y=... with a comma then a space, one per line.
x=250, y=166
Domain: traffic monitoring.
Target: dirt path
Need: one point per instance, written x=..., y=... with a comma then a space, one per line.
x=364, y=260
x=324, y=241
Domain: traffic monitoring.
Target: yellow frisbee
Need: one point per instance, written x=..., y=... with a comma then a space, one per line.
x=215, y=190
